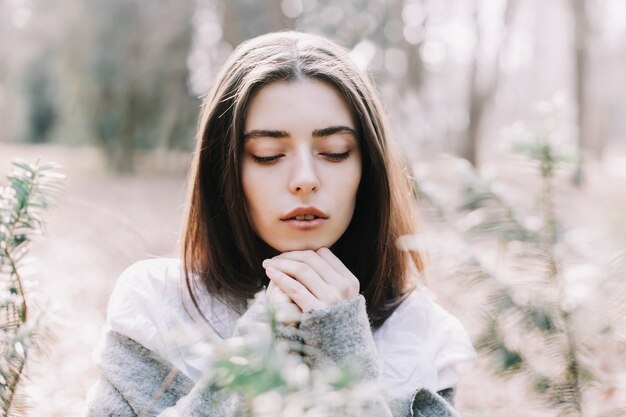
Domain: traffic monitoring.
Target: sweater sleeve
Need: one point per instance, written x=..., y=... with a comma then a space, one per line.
x=342, y=333
x=135, y=381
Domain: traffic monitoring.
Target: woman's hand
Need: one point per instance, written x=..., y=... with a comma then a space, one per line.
x=287, y=311
x=312, y=279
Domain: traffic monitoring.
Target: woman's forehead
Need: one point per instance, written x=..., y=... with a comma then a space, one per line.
x=288, y=104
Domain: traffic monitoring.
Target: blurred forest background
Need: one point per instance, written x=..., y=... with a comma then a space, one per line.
x=111, y=90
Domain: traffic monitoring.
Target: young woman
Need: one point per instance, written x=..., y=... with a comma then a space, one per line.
x=294, y=187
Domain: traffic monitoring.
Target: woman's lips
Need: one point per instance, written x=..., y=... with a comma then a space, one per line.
x=303, y=211
x=305, y=224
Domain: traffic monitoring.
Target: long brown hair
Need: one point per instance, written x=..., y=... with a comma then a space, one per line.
x=219, y=246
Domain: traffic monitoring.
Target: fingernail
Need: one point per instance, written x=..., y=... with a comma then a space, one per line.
x=265, y=263
x=270, y=270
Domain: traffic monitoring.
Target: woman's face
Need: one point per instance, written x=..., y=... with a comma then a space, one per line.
x=300, y=153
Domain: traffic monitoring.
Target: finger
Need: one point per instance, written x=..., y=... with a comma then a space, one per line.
x=276, y=295
x=308, y=277
x=294, y=290
x=334, y=262
x=288, y=313
x=286, y=310
x=315, y=261
x=351, y=284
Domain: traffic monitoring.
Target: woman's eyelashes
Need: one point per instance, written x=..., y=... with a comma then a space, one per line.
x=270, y=160
x=265, y=160
x=337, y=156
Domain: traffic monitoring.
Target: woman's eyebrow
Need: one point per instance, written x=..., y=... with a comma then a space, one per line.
x=265, y=133
x=281, y=134
x=333, y=130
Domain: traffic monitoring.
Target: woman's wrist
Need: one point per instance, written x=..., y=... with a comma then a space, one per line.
x=342, y=333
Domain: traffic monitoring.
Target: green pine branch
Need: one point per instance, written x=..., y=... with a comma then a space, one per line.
x=271, y=373
x=527, y=321
x=31, y=190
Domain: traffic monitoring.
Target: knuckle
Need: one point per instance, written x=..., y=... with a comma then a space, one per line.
x=334, y=298
x=292, y=286
x=291, y=290
x=298, y=292
x=345, y=289
x=302, y=269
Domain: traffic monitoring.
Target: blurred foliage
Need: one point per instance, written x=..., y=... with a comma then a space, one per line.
x=269, y=371
x=23, y=202
x=545, y=291
x=115, y=75
x=135, y=72
x=42, y=114
x=125, y=75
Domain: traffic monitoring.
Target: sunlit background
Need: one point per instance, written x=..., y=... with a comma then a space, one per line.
x=111, y=90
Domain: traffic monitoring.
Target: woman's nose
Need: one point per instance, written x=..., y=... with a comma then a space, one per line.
x=304, y=179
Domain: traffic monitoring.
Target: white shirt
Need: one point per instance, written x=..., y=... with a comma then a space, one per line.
x=419, y=345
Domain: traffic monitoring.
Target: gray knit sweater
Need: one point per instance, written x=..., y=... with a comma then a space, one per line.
x=136, y=382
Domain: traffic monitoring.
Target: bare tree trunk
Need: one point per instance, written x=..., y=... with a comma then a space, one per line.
x=231, y=28
x=244, y=20
x=415, y=76
x=276, y=17
x=581, y=30
x=124, y=161
x=476, y=109
x=477, y=99
x=481, y=93
x=6, y=109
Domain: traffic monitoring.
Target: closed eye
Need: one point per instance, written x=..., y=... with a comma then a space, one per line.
x=337, y=156
x=266, y=160
x=270, y=160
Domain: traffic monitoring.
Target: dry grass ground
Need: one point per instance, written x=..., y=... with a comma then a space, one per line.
x=106, y=222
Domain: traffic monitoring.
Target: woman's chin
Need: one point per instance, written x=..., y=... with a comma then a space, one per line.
x=302, y=245
x=290, y=248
